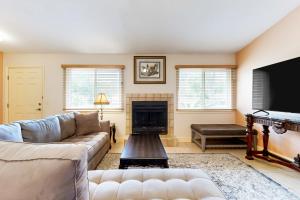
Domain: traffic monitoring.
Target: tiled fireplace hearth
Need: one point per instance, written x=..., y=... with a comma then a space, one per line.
x=168, y=97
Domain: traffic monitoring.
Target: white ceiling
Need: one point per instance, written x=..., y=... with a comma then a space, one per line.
x=136, y=26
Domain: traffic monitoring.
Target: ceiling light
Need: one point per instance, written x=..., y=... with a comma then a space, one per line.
x=4, y=37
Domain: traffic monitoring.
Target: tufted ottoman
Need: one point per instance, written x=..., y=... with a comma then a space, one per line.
x=142, y=184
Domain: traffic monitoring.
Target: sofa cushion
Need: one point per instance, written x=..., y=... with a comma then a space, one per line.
x=152, y=184
x=43, y=171
x=219, y=129
x=93, y=141
x=67, y=124
x=43, y=130
x=87, y=123
x=11, y=132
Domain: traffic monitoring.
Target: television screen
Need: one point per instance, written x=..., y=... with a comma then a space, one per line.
x=277, y=87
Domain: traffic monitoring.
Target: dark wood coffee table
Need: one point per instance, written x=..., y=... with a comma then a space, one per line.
x=144, y=150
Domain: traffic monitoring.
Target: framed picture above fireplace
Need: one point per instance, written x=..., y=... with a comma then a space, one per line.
x=149, y=69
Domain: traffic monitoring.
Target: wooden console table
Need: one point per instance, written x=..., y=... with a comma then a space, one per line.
x=280, y=126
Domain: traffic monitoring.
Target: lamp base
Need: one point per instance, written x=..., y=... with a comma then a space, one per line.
x=101, y=113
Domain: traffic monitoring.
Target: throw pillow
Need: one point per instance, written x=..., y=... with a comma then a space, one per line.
x=87, y=123
x=67, y=124
x=41, y=131
x=11, y=132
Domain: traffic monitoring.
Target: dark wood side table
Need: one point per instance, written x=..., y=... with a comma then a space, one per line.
x=112, y=132
x=280, y=126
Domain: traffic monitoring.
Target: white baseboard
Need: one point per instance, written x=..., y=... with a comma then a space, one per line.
x=177, y=139
x=183, y=139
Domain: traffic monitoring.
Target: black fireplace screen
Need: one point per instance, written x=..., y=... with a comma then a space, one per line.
x=150, y=117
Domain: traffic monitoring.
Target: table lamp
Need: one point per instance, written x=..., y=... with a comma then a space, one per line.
x=101, y=99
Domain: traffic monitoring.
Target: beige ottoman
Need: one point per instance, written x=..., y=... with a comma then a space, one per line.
x=147, y=184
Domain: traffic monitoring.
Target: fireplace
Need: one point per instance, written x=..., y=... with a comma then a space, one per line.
x=150, y=117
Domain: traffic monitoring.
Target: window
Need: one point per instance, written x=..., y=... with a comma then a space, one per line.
x=83, y=84
x=206, y=88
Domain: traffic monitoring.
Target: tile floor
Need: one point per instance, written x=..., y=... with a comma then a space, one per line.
x=287, y=177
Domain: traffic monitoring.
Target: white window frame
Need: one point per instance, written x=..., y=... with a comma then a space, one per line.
x=208, y=67
x=103, y=67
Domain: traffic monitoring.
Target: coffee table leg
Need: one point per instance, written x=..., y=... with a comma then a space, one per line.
x=166, y=165
x=122, y=166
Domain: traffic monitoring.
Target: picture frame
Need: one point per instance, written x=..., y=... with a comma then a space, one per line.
x=149, y=69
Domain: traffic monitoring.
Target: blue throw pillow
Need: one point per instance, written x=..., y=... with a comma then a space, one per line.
x=41, y=131
x=11, y=132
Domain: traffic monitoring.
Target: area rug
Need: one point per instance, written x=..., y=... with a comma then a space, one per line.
x=236, y=179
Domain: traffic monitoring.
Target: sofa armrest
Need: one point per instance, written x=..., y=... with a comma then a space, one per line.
x=43, y=171
x=105, y=126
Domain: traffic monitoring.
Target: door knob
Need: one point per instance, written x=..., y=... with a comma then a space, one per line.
x=39, y=104
x=39, y=109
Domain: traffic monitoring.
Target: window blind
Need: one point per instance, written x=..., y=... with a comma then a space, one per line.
x=206, y=88
x=81, y=85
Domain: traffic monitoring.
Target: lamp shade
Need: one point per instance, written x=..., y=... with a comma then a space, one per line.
x=101, y=99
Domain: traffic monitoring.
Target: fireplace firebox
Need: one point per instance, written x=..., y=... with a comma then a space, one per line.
x=150, y=117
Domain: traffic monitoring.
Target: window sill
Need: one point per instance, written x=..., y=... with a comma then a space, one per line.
x=91, y=110
x=190, y=111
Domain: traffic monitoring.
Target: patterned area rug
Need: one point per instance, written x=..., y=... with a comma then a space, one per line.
x=236, y=179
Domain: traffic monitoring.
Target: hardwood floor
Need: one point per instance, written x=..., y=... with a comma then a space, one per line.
x=288, y=178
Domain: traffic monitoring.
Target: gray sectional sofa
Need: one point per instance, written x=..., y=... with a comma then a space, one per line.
x=68, y=128
x=49, y=159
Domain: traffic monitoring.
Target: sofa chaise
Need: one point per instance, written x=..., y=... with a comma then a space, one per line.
x=59, y=172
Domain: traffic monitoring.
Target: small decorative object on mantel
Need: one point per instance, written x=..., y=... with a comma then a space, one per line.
x=149, y=69
x=279, y=127
x=297, y=160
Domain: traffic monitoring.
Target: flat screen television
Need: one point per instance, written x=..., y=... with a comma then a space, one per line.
x=276, y=87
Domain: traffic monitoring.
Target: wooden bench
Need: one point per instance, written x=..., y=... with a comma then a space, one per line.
x=221, y=135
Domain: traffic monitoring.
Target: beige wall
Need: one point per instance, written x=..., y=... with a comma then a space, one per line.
x=1, y=87
x=281, y=42
x=53, y=102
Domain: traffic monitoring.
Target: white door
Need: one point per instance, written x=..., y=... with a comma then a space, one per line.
x=25, y=93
